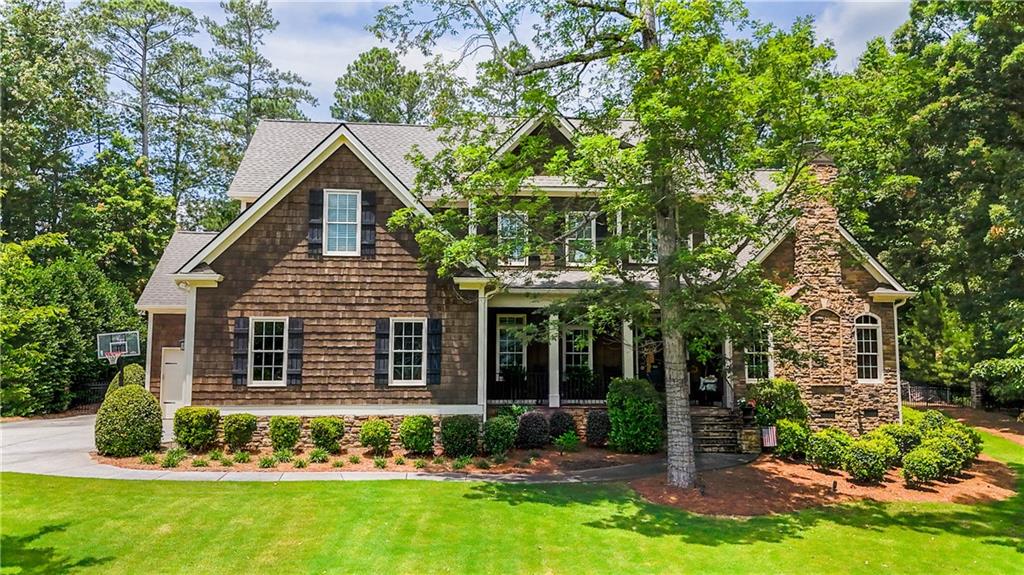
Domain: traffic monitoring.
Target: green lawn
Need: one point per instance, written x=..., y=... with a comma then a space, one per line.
x=53, y=525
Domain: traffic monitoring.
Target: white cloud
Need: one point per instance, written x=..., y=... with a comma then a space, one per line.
x=851, y=24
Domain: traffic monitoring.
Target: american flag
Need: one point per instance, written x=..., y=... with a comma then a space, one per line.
x=768, y=438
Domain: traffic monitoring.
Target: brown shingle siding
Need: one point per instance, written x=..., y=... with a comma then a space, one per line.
x=168, y=331
x=269, y=272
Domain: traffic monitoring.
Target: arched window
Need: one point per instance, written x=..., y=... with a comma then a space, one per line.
x=869, y=348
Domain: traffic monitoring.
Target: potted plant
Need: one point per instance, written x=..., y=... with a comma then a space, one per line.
x=746, y=408
x=776, y=399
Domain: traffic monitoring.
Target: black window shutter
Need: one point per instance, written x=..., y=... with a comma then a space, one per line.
x=294, y=374
x=315, y=237
x=434, y=331
x=380, y=352
x=240, y=352
x=368, y=243
x=601, y=227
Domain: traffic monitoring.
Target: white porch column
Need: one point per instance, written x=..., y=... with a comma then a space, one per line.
x=481, y=350
x=628, y=352
x=554, y=396
x=729, y=396
x=190, y=340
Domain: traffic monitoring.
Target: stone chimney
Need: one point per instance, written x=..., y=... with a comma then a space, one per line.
x=817, y=241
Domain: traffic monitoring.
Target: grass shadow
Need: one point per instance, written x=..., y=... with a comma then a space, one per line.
x=25, y=553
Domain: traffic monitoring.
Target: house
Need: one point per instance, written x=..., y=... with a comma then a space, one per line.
x=307, y=304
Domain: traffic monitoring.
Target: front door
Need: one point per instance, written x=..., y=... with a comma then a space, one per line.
x=172, y=380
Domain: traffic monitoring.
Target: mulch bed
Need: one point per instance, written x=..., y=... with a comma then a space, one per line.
x=993, y=422
x=771, y=485
x=530, y=462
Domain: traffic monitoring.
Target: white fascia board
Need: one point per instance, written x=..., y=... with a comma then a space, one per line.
x=162, y=309
x=869, y=263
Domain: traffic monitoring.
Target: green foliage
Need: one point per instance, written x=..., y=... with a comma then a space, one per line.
x=513, y=411
x=1003, y=378
x=238, y=430
x=937, y=346
x=461, y=462
x=354, y=459
x=376, y=87
x=419, y=463
x=241, y=457
x=482, y=464
x=268, y=462
x=285, y=431
x=149, y=458
x=380, y=462
x=951, y=456
x=399, y=460
x=128, y=423
x=338, y=463
x=326, y=433
x=195, y=428
x=866, y=460
x=905, y=435
x=561, y=422
x=283, y=455
x=173, y=457
x=598, y=427
x=963, y=439
x=200, y=462
x=932, y=421
x=533, y=430
x=634, y=411
x=460, y=435
x=416, y=433
x=827, y=448
x=888, y=445
x=376, y=434
x=499, y=434
x=776, y=399
x=318, y=455
x=921, y=465
x=300, y=463
x=793, y=437
x=134, y=374
x=216, y=455
x=226, y=462
x=567, y=441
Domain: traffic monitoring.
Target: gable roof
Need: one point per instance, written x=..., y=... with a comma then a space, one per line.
x=161, y=291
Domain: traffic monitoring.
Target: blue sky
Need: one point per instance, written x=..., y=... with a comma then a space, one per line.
x=318, y=39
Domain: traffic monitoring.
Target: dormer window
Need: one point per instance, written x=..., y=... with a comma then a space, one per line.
x=580, y=237
x=341, y=222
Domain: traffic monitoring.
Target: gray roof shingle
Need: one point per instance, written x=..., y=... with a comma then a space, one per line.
x=274, y=149
x=160, y=290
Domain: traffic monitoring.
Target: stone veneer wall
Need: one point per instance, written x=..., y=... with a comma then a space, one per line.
x=833, y=287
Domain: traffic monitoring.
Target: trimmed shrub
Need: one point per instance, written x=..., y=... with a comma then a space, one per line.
x=533, y=430
x=128, y=423
x=932, y=421
x=906, y=436
x=921, y=465
x=285, y=431
x=326, y=433
x=826, y=449
x=134, y=374
x=776, y=399
x=499, y=434
x=598, y=426
x=416, y=434
x=951, y=457
x=888, y=445
x=561, y=422
x=238, y=430
x=195, y=428
x=967, y=436
x=567, y=442
x=911, y=417
x=513, y=411
x=376, y=434
x=460, y=435
x=866, y=460
x=792, y=438
x=634, y=412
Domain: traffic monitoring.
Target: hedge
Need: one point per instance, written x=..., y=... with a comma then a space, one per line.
x=238, y=430
x=460, y=435
x=598, y=426
x=128, y=423
x=326, y=433
x=134, y=374
x=866, y=460
x=826, y=449
x=921, y=465
x=561, y=422
x=416, y=433
x=285, y=431
x=792, y=438
x=634, y=411
x=534, y=430
x=500, y=434
x=195, y=428
x=376, y=434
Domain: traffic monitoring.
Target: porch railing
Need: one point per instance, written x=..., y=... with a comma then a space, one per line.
x=531, y=390
x=584, y=390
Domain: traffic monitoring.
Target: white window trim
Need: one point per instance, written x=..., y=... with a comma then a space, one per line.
x=391, y=354
x=497, y=342
x=770, y=352
x=566, y=350
x=516, y=262
x=878, y=333
x=252, y=340
x=359, y=222
x=592, y=218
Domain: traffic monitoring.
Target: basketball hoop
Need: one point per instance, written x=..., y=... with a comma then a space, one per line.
x=113, y=356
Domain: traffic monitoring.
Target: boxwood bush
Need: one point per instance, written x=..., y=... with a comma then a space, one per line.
x=285, y=431
x=966, y=436
x=792, y=438
x=921, y=465
x=195, y=428
x=128, y=423
x=888, y=446
x=866, y=460
x=460, y=435
x=534, y=430
x=499, y=434
x=634, y=411
x=238, y=430
x=906, y=436
x=932, y=421
x=951, y=456
x=826, y=449
x=376, y=434
x=134, y=374
x=598, y=426
x=326, y=433
x=416, y=433
x=561, y=422
x=776, y=399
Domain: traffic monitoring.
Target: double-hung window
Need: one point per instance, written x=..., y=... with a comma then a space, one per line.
x=578, y=348
x=408, y=351
x=342, y=222
x=580, y=237
x=869, y=348
x=757, y=357
x=267, y=351
x=512, y=233
x=511, y=347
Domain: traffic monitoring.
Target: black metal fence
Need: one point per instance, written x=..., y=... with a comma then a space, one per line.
x=936, y=394
x=89, y=393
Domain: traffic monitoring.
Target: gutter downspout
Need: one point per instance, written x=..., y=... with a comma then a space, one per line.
x=896, y=340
